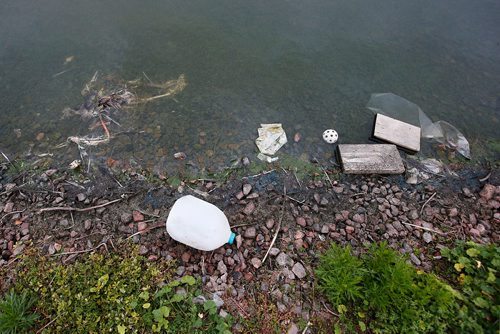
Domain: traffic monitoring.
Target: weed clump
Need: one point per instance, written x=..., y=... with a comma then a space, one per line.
x=15, y=313
x=379, y=291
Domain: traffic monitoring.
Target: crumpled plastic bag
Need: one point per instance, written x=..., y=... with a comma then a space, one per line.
x=271, y=138
x=399, y=108
x=422, y=170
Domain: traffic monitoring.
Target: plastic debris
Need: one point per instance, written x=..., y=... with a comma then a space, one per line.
x=267, y=158
x=423, y=170
x=271, y=138
x=330, y=136
x=198, y=224
x=396, y=107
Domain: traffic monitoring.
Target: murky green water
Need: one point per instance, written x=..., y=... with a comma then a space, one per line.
x=309, y=65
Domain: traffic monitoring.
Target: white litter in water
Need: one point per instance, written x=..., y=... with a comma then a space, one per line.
x=330, y=136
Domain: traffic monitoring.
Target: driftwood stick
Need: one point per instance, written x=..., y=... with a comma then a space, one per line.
x=69, y=208
x=423, y=206
x=277, y=229
x=424, y=228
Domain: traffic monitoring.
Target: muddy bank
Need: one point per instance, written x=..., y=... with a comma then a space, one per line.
x=67, y=215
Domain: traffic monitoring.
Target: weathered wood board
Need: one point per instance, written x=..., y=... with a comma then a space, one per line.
x=370, y=159
x=393, y=131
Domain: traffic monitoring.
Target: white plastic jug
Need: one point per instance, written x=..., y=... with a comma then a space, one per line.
x=198, y=224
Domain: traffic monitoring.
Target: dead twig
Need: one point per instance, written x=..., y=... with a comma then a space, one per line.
x=277, y=229
x=82, y=251
x=147, y=229
x=69, y=208
x=424, y=228
x=330, y=311
x=423, y=206
x=47, y=325
x=11, y=213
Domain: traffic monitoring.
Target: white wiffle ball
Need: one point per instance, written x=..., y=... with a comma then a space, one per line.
x=330, y=136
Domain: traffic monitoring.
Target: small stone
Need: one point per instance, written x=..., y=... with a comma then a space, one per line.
x=297, y=137
x=126, y=217
x=324, y=202
x=349, y=229
x=256, y=262
x=249, y=208
x=475, y=232
x=40, y=136
x=488, y=192
x=467, y=192
x=293, y=329
x=247, y=188
x=73, y=234
x=270, y=223
x=143, y=250
x=413, y=214
x=283, y=260
x=317, y=198
x=398, y=226
x=358, y=218
x=245, y=161
x=250, y=232
x=186, y=256
x=221, y=267
x=453, y=212
x=299, y=270
x=180, y=270
x=142, y=226
x=9, y=207
x=81, y=197
x=57, y=246
x=239, y=195
x=338, y=190
x=325, y=229
x=19, y=249
x=415, y=259
x=274, y=251
x=481, y=228
x=239, y=241
x=137, y=216
x=301, y=221
x=87, y=224
x=427, y=237
x=299, y=235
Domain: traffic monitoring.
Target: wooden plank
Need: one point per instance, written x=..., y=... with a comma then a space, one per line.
x=371, y=159
x=393, y=131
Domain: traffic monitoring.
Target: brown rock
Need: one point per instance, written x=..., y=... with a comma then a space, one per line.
x=247, y=188
x=186, y=256
x=358, y=218
x=249, y=208
x=487, y=192
x=301, y=221
x=137, y=216
x=250, y=232
x=256, y=262
x=349, y=229
x=40, y=136
x=297, y=137
x=142, y=226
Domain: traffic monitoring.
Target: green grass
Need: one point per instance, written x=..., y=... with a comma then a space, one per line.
x=16, y=315
x=380, y=292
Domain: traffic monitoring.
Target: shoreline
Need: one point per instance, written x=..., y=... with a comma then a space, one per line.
x=306, y=214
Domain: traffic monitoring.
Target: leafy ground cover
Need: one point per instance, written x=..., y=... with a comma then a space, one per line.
x=120, y=293
x=379, y=292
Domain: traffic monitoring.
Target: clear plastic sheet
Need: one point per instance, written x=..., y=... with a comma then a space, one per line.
x=396, y=107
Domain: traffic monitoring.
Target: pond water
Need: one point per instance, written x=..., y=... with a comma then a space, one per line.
x=310, y=65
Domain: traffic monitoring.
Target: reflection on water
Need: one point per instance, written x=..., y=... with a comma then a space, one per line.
x=309, y=65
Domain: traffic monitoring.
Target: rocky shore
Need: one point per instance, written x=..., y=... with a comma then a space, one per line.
x=67, y=217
